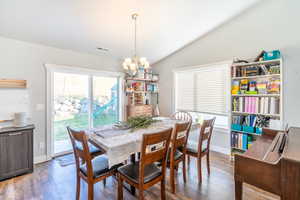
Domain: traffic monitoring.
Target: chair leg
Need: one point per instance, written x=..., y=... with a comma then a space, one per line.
x=120, y=188
x=78, y=188
x=141, y=194
x=189, y=159
x=162, y=189
x=199, y=170
x=104, y=182
x=184, y=170
x=238, y=190
x=172, y=178
x=90, y=191
x=208, y=164
x=176, y=168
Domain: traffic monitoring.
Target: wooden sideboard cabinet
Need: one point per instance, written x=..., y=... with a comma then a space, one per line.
x=139, y=110
x=16, y=151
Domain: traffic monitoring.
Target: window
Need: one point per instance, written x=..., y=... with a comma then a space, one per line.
x=203, y=91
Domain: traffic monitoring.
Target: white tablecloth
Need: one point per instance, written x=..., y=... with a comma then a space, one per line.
x=120, y=146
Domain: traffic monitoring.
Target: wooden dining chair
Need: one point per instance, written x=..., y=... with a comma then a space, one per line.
x=181, y=115
x=185, y=116
x=93, y=170
x=93, y=149
x=177, y=152
x=144, y=173
x=201, y=147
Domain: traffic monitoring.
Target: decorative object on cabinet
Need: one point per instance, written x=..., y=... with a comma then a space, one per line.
x=139, y=110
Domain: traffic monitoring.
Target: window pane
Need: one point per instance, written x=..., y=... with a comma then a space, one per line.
x=184, y=91
x=211, y=88
x=70, y=107
x=106, y=100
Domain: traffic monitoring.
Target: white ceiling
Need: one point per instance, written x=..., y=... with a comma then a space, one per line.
x=164, y=26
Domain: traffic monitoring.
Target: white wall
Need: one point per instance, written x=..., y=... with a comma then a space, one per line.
x=22, y=60
x=271, y=24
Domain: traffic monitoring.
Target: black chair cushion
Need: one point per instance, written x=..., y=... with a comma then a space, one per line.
x=92, y=148
x=177, y=155
x=100, y=166
x=131, y=171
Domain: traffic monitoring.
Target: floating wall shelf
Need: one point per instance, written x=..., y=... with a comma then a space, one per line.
x=9, y=83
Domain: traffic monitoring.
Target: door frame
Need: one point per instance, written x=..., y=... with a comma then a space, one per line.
x=50, y=70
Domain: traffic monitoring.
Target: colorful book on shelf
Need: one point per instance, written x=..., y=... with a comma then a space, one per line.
x=262, y=105
x=244, y=141
x=241, y=104
x=256, y=105
x=249, y=104
x=252, y=104
x=266, y=111
x=246, y=104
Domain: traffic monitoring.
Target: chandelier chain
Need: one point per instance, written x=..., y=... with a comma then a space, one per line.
x=135, y=41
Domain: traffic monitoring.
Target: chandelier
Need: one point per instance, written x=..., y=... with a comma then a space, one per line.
x=132, y=65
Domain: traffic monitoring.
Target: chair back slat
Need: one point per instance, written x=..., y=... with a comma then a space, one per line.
x=155, y=146
x=81, y=151
x=206, y=133
x=180, y=135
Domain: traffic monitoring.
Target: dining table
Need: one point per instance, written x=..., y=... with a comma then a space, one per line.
x=121, y=144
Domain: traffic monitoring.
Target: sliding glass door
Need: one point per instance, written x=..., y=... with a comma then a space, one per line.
x=105, y=100
x=82, y=101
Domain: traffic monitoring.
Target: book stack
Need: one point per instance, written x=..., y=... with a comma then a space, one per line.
x=249, y=120
x=241, y=141
x=256, y=105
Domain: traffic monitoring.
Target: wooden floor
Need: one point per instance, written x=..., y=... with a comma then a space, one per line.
x=50, y=181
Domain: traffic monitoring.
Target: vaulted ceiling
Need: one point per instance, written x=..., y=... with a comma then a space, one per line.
x=164, y=26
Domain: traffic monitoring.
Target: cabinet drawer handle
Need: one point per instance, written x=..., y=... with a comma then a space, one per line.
x=14, y=134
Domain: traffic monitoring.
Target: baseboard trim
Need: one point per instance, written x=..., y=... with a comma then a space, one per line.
x=220, y=149
x=40, y=159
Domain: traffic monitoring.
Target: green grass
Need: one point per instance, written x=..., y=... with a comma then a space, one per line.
x=79, y=122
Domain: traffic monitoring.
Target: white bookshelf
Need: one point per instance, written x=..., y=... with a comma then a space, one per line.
x=278, y=116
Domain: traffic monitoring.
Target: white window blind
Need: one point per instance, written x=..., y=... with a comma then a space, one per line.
x=184, y=86
x=202, y=89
